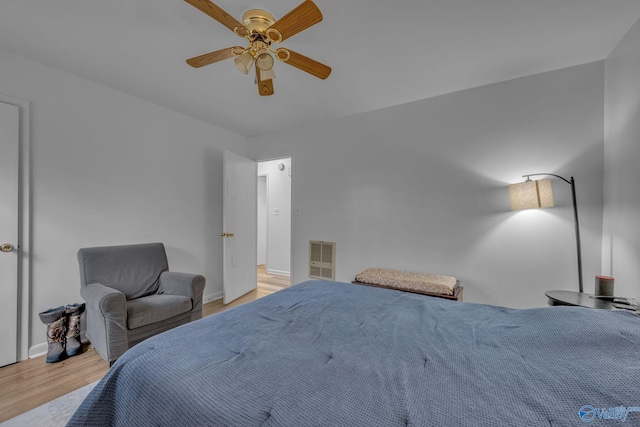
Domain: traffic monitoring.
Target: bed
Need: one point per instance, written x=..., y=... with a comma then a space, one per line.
x=336, y=354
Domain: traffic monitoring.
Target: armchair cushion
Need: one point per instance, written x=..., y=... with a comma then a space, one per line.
x=155, y=308
x=186, y=284
x=134, y=270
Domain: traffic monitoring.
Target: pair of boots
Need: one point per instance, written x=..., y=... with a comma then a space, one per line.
x=63, y=331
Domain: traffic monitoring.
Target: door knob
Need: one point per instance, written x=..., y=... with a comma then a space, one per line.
x=226, y=235
x=6, y=247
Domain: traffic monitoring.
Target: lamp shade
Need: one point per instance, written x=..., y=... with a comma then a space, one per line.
x=244, y=62
x=264, y=61
x=531, y=195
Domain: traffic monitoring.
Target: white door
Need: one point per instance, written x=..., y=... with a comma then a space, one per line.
x=9, y=140
x=239, y=226
x=263, y=220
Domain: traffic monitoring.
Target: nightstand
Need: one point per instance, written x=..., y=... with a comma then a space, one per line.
x=577, y=299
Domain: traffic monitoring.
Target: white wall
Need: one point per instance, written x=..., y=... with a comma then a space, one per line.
x=621, y=237
x=423, y=186
x=420, y=186
x=279, y=215
x=108, y=168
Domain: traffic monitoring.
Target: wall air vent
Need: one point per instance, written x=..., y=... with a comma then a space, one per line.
x=322, y=256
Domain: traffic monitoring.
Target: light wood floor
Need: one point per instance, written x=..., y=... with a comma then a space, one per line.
x=28, y=384
x=271, y=282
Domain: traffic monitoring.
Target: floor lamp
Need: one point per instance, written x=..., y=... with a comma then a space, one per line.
x=538, y=194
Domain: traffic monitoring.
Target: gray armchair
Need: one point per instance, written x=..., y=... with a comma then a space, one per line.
x=130, y=295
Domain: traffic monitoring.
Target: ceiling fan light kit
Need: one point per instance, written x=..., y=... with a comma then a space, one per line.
x=244, y=62
x=264, y=61
x=261, y=29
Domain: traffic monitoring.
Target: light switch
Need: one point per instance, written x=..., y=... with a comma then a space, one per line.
x=276, y=211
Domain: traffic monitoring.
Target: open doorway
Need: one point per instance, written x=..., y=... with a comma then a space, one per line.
x=274, y=224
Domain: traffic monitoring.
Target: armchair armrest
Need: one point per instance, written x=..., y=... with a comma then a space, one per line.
x=106, y=320
x=107, y=301
x=185, y=284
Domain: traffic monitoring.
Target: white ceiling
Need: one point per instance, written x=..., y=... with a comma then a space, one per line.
x=383, y=53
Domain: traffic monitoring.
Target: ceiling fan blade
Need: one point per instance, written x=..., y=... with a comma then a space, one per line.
x=304, y=63
x=210, y=58
x=299, y=19
x=220, y=15
x=265, y=87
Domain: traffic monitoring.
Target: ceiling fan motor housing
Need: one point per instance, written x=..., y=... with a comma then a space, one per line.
x=257, y=20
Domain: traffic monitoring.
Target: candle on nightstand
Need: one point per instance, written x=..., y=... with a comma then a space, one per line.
x=604, y=286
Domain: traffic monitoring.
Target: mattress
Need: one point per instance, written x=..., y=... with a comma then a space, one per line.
x=337, y=354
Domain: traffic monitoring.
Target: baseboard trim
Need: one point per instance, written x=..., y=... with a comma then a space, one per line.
x=41, y=349
x=38, y=350
x=278, y=272
x=212, y=297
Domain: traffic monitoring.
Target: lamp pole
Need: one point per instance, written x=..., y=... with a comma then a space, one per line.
x=571, y=182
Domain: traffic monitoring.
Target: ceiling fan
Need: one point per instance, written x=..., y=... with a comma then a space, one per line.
x=261, y=29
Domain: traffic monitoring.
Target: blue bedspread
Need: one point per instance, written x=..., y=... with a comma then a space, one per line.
x=338, y=354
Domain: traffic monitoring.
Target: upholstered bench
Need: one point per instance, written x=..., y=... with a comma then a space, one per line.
x=435, y=285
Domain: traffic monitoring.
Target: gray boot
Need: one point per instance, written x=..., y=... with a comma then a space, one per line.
x=74, y=313
x=56, y=321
